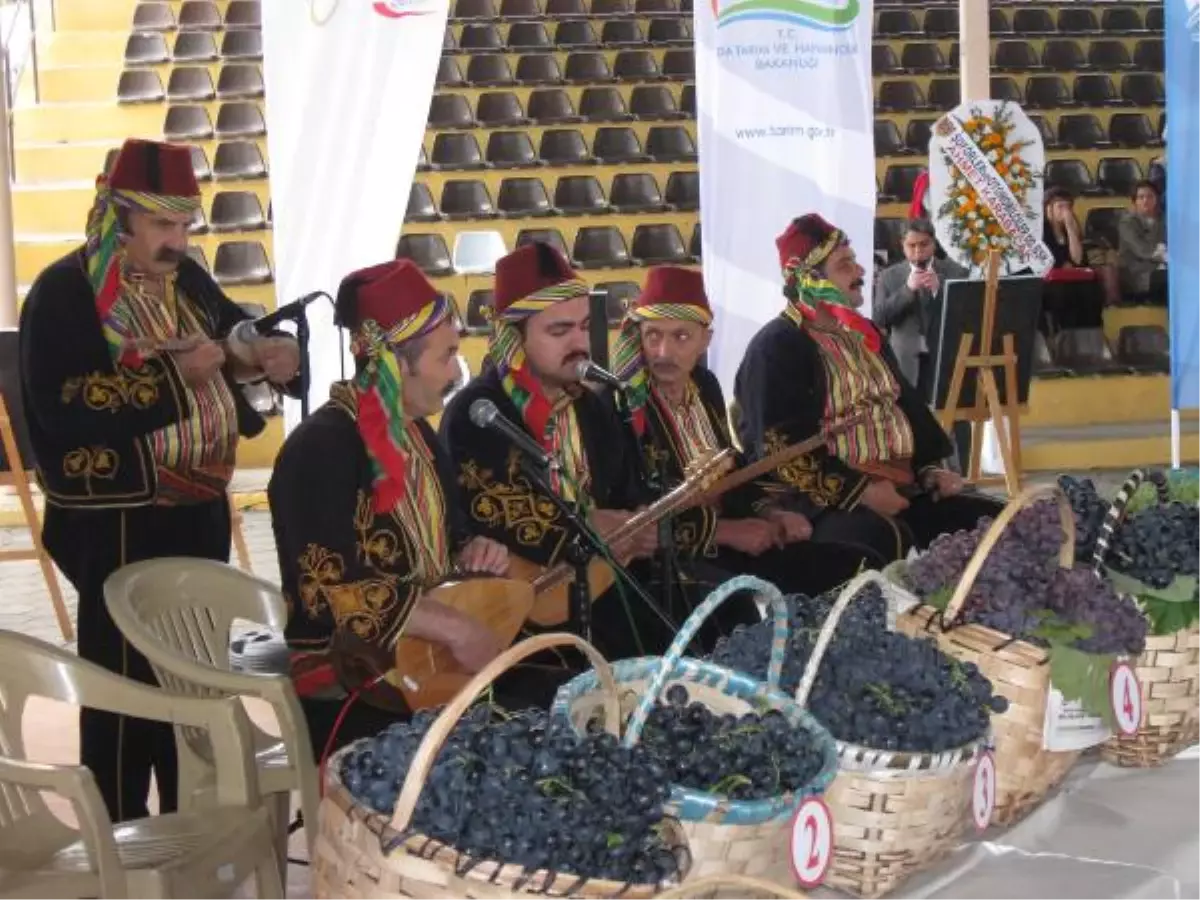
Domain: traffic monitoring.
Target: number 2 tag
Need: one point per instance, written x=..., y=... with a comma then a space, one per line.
x=1126, y=698
x=812, y=842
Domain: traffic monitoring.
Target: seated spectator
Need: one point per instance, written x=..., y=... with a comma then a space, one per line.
x=1074, y=293
x=1142, y=256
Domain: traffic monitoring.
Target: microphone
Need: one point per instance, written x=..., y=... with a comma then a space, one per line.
x=587, y=370
x=247, y=331
x=484, y=414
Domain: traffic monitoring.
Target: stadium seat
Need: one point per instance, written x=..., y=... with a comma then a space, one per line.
x=500, y=109
x=240, y=119
x=587, y=68
x=1081, y=131
x=552, y=106
x=603, y=104
x=474, y=9
x=1121, y=19
x=449, y=75
x=511, y=150
x=1118, y=174
x=1047, y=92
x=456, y=151
x=900, y=96
x=670, y=143
x=1077, y=20
x=1014, y=56
x=146, y=50
x=1154, y=18
x=580, y=195
x=611, y=7
x=898, y=181
x=140, y=86
x=185, y=123
x=941, y=21
x=521, y=198
x=478, y=322
x=683, y=191
x=573, y=34
x=466, y=198
x=889, y=233
x=669, y=31
x=153, y=17
x=1049, y=138
x=925, y=56
x=1071, y=174
x=896, y=23
x=1143, y=89
x=450, y=111
x=1063, y=56
x=488, y=70
x=944, y=93
x=239, y=45
x=190, y=84
x=428, y=251
x=618, y=145
x=200, y=15
x=679, y=65
x=477, y=252
x=243, y=14
x=551, y=236
x=480, y=37
x=658, y=244
x=564, y=147
x=1005, y=88
x=240, y=81
x=539, y=68
x=1145, y=348
x=237, y=211
x=617, y=297
x=194, y=47
x=655, y=7
x=888, y=141
x=634, y=192
x=621, y=33
x=421, y=207
x=1148, y=54
x=200, y=165
x=1085, y=352
x=1132, y=130
x=600, y=247
x=999, y=22
x=695, y=245
x=687, y=100
x=917, y=134
x=884, y=60
x=654, y=102
x=1095, y=89
x=1033, y=21
x=241, y=263
x=1100, y=226
x=562, y=9
x=1108, y=55
x=520, y=9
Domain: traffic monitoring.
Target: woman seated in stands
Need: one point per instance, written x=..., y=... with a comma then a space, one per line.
x=1142, y=257
x=1075, y=292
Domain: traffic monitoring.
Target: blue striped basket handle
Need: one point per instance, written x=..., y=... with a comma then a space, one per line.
x=779, y=612
x=1116, y=511
x=849, y=593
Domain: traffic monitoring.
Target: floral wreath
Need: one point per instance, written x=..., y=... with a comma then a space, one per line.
x=971, y=224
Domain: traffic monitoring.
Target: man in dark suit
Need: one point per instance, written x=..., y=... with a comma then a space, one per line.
x=906, y=303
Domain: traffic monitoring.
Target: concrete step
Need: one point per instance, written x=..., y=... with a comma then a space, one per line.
x=1125, y=446
x=92, y=122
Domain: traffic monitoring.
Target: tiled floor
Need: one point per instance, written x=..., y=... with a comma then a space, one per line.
x=51, y=731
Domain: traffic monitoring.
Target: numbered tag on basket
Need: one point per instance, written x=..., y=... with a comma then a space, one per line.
x=812, y=842
x=1126, y=698
x=983, y=794
x=1068, y=727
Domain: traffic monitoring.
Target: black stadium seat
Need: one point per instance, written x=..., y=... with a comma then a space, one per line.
x=241, y=263
x=900, y=96
x=580, y=195
x=148, y=16
x=941, y=21
x=428, y=251
x=500, y=109
x=1047, y=92
x=695, y=245
x=240, y=119
x=1077, y=20
x=194, y=47
x=888, y=141
x=1100, y=227
x=561, y=9
x=140, y=86
x=621, y=32
x=240, y=45
x=1132, y=130
x=896, y=23
x=466, y=198
x=669, y=31
x=455, y=150
x=1119, y=19
x=575, y=33
x=186, y=123
x=1014, y=56
x=1081, y=131
x=658, y=244
x=634, y=192
x=190, y=84
x=1143, y=89
x=488, y=70
x=1033, y=21
x=587, y=68
x=917, y=134
x=146, y=50
x=679, y=65
x=237, y=211
x=539, y=68
x=944, y=93
x=924, y=56
x=551, y=236
x=1144, y=347
x=450, y=111
x=200, y=166
x=603, y=104
x=636, y=65
x=550, y=106
x=1071, y=174
x=449, y=75
x=670, y=143
x=477, y=37
x=683, y=191
x=243, y=14
x=527, y=36
x=618, y=145
x=1005, y=88
x=884, y=60
x=477, y=321
x=1148, y=55
x=1063, y=55
x=1118, y=174
x=474, y=9
x=421, y=206
x=653, y=102
x=1095, y=89
x=520, y=9
x=1109, y=55
x=240, y=81
x=200, y=15
x=510, y=150
x=564, y=147
x=521, y=198
x=898, y=181
x=617, y=297
x=600, y=247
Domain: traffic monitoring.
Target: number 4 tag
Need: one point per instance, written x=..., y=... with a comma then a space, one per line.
x=1126, y=698
x=812, y=842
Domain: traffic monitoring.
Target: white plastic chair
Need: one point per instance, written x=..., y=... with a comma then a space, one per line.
x=476, y=252
x=206, y=852
x=178, y=613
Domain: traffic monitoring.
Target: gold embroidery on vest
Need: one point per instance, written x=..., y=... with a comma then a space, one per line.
x=380, y=548
x=362, y=606
x=91, y=462
x=804, y=473
x=514, y=507
x=100, y=391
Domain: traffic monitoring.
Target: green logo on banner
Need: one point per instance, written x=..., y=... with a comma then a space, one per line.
x=808, y=13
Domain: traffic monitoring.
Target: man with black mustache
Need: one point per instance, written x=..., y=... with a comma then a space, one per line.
x=134, y=413
x=540, y=336
x=820, y=363
x=364, y=504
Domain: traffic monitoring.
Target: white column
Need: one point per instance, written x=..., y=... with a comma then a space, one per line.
x=974, y=47
x=8, y=256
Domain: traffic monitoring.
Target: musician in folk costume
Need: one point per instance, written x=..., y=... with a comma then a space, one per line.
x=539, y=338
x=680, y=413
x=821, y=363
x=364, y=505
x=135, y=443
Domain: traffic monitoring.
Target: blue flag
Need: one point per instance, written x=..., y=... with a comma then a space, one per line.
x=1183, y=197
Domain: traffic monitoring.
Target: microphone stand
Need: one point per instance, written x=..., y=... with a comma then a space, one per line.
x=585, y=544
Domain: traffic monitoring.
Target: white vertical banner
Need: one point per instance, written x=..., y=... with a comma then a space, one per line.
x=348, y=85
x=786, y=119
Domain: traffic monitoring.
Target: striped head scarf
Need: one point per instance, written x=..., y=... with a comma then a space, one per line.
x=146, y=176
x=803, y=249
x=384, y=307
x=532, y=278
x=670, y=293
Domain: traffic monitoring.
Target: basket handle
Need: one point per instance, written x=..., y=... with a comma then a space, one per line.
x=849, y=593
x=1027, y=497
x=744, y=884
x=779, y=640
x=1120, y=507
x=439, y=731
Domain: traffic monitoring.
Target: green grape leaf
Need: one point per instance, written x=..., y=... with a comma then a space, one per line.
x=940, y=598
x=1168, y=616
x=1182, y=588
x=1083, y=677
x=1057, y=630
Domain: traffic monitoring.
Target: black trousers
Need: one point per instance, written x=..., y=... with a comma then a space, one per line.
x=892, y=537
x=807, y=567
x=88, y=546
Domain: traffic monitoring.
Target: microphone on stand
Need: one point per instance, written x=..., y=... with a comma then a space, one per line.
x=485, y=414
x=587, y=370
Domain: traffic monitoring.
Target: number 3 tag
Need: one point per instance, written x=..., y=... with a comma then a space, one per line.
x=1126, y=698
x=812, y=842
x=983, y=794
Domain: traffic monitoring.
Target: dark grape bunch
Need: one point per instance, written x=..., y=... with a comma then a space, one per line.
x=1157, y=544
x=1021, y=590
x=1090, y=509
x=745, y=757
x=875, y=688
x=527, y=791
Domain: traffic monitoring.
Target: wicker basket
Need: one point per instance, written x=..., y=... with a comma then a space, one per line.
x=893, y=813
x=1168, y=670
x=359, y=853
x=741, y=886
x=725, y=837
x=1025, y=772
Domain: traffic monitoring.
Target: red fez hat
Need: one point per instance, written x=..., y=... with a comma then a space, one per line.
x=802, y=237
x=675, y=285
x=527, y=270
x=151, y=167
x=387, y=293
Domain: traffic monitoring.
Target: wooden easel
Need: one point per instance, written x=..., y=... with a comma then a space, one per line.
x=987, y=397
x=18, y=477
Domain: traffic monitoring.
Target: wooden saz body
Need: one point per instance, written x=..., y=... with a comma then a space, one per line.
x=426, y=673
